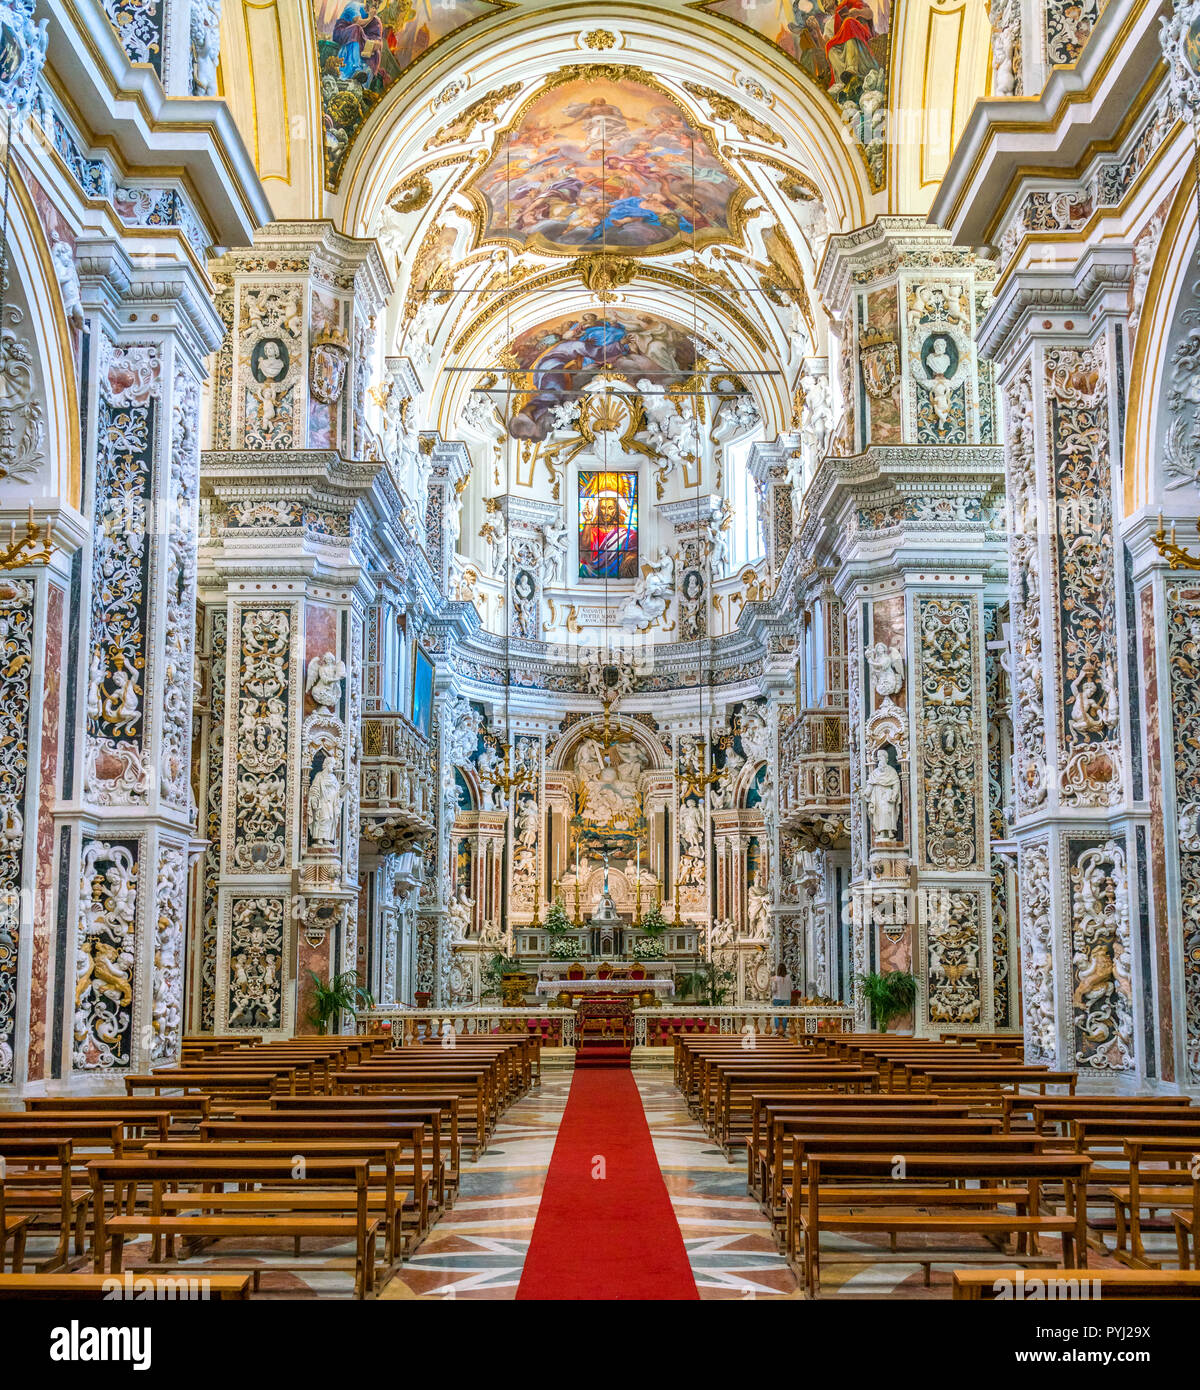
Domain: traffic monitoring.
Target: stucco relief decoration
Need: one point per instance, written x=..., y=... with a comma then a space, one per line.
x=950, y=785
x=329, y=358
x=118, y=662
x=938, y=318
x=1183, y=664
x=204, y=31
x=211, y=821
x=139, y=25
x=260, y=776
x=24, y=56
x=954, y=945
x=16, y=670
x=1069, y=25
x=22, y=416
x=180, y=630
x=1029, y=724
x=1102, y=997
x=1181, y=452
x=1179, y=34
x=1037, y=953
x=106, y=951
x=1007, y=47
x=270, y=333
x=166, y=1007
x=256, y=964
x=1084, y=571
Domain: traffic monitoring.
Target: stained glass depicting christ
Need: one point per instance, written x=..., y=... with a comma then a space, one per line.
x=608, y=525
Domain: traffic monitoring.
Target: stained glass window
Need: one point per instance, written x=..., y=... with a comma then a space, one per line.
x=608, y=525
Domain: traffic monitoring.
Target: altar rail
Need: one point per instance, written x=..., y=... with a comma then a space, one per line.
x=556, y=1027
x=653, y=1027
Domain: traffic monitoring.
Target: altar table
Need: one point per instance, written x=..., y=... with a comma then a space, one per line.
x=660, y=988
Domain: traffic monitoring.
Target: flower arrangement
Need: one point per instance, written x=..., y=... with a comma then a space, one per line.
x=649, y=948
x=557, y=920
x=564, y=948
x=653, y=922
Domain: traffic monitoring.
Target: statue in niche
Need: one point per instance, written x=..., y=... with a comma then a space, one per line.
x=758, y=920
x=324, y=805
x=882, y=795
x=527, y=822
x=691, y=828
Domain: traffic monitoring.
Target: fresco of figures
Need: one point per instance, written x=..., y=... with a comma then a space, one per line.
x=841, y=44
x=363, y=46
x=596, y=165
x=562, y=356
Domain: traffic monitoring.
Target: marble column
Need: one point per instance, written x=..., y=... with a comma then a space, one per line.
x=1079, y=831
x=126, y=815
x=285, y=562
x=912, y=514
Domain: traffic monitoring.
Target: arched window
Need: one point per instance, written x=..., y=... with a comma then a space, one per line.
x=745, y=546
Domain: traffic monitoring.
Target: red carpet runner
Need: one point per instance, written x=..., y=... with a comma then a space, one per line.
x=610, y=1237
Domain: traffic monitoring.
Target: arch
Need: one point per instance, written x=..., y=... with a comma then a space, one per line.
x=561, y=760
x=1172, y=282
x=34, y=291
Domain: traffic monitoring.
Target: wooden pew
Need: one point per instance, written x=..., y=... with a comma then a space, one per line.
x=407, y=1136
x=111, y=1180
x=980, y=1284
x=830, y=1183
x=438, y=1115
x=160, y=1287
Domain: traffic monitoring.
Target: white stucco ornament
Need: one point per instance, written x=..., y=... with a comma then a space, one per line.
x=1180, y=38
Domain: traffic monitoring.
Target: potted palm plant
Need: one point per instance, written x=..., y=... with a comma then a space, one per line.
x=342, y=994
x=891, y=995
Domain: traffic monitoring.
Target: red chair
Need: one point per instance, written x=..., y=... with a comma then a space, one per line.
x=605, y=972
x=638, y=972
x=575, y=972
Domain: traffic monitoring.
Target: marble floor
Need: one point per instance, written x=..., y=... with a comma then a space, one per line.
x=477, y=1250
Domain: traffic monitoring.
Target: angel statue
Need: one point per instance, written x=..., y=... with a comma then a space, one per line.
x=887, y=668
x=652, y=597
x=325, y=676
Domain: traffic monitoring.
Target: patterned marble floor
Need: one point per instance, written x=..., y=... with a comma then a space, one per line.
x=477, y=1250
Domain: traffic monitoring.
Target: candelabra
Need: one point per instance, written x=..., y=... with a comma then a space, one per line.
x=578, y=913
x=19, y=553
x=637, y=902
x=1176, y=556
x=509, y=780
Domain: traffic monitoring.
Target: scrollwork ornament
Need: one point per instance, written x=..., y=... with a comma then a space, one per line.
x=1179, y=35
x=24, y=54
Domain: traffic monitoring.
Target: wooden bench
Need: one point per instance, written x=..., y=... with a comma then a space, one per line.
x=160, y=1287
x=1068, y=1284
x=898, y=1147
x=831, y=1177
x=118, y=1176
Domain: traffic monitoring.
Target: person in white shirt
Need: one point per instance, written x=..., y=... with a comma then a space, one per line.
x=781, y=994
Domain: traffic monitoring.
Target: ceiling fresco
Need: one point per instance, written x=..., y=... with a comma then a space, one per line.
x=843, y=45
x=606, y=163
x=364, y=47
x=560, y=357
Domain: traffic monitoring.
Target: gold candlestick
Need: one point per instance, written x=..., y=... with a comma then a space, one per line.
x=578, y=912
x=637, y=902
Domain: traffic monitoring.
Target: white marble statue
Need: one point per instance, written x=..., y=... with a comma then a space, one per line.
x=882, y=795
x=68, y=282
x=554, y=552
x=758, y=916
x=324, y=806
x=652, y=597
x=887, y=668
x=325, y=676
x=755, y=733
